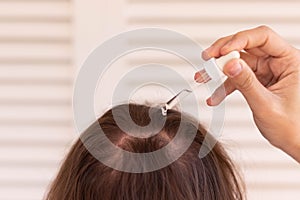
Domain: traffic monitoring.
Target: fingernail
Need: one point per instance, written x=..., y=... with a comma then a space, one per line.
x=205, y=55
x=213, y=99
x=208, y=101
x=235, y=69
x=196, y=76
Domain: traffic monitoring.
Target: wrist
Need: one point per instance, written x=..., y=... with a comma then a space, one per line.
x=292, y=147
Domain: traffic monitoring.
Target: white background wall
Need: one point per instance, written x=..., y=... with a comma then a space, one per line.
x=44, y=42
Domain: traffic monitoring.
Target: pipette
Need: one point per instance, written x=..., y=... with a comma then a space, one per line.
x=212, y=70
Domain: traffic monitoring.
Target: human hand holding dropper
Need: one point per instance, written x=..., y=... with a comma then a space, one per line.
x=268, y=76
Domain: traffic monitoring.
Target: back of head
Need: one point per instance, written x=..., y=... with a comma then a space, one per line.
x=82, y=176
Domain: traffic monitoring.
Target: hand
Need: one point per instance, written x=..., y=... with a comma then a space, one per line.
x=268, y=76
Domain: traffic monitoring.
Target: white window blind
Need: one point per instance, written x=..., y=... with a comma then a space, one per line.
x=35, y=94
x=43, y=42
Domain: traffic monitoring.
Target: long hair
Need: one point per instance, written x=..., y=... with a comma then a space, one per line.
x=83, y=177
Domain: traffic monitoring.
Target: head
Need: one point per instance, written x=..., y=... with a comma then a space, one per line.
x=82, y=176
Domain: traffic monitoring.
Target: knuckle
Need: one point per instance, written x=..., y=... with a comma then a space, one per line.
x=238, y=35
x=265, y=28
x=219, y=41
x=235, y=37
x=241, y=38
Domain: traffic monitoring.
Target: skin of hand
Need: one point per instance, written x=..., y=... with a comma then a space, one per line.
x=268, y=76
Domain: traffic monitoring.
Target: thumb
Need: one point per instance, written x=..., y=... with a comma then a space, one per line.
x=244, y=79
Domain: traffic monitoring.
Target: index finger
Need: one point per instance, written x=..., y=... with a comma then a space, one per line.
x=261, y=39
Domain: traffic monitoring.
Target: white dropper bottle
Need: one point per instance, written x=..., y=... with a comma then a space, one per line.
x=212, y=70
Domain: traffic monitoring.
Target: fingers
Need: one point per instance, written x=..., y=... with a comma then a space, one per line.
x=214, y=49
x=220, y=93
x=261, y=75
x=250, y=59
x=259, y=41
x=201, y=76
x=227, y=87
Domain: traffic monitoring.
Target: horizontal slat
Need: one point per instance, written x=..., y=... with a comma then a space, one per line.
x=32, y=154
x=274, y=194
x=23, y=192
x=35, y=92
x=264, y=155
x=38, y=10
x=209, y=32
x=167, y=59
x=34, y=51
x=43, y=113
x=206, y=12
x=248, y=135
x=15, y=61
x=290, y=177
x=35, y=0
x=35, y=72
x=40, y=81
x=234, y=116
x=34, y=176
x=163, y=57
x=33, y=163
x=34, y=32
x=203, y=43
x=35, y=135
x=30, y=102
x=174, y=62
x=200, y=1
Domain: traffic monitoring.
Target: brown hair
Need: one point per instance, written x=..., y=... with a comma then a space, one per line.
x=83, y=177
